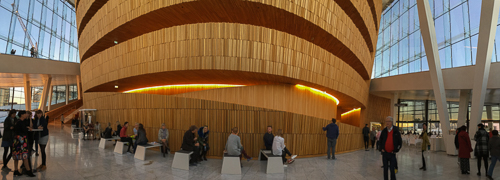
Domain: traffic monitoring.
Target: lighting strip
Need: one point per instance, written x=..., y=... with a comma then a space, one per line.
x=350, y=111
x=317, y=91
x=214, y=86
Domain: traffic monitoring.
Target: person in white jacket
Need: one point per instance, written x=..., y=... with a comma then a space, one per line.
x=279, y=148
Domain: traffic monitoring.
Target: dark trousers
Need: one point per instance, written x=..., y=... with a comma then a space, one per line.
x=244, y=153
x=138, y=143
x=129, y=140
x=331, y=145
x=485, y=158
x=195, y=156
x=366, y=141
x=284, y=153
x=269, y=147
x=6, y=155
x=423, y=160
x=389, y=161
x=373, y=143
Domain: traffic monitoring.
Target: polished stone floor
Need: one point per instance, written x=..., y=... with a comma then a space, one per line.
x=73, y=159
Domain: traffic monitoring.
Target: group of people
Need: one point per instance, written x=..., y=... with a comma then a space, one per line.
x=486, y=144
x=198, y=145
x=18, y=140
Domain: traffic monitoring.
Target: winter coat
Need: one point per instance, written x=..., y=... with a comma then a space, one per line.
x=464, y=145
x=481, y=137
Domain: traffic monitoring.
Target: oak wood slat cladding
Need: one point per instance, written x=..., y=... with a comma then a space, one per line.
x=329, y=31
x=91, y=7
x=303, y=134
x=221, y=53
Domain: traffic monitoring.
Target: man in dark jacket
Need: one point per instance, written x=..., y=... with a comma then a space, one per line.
x=481, y=150
x=189, y=144
x=268, y=138
x=366, y=136
x=390, y=144
x=332, y=133
x=494, y=148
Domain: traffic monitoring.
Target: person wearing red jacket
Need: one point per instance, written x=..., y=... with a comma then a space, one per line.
x=464, y=150
x=390, y=144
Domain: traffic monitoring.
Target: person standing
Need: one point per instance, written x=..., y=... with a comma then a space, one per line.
x=279, y=147
x=425, y=145
x=366, y=136
x=20, y=146
x=62, y=119
x=481, y=150
x=390, y=144
x=125, y=138
x=464, y=150
x=189, y=144
x=13, y=51
x=268, y=138
x=332, y=133
x=42, y=137
x=233, y=145
x=494, y=148
x=203, y=140
x=163, y=139
x=373, y=136
x=32, y=51
x=8, y=135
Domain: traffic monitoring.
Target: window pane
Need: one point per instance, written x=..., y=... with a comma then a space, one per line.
x=457, y=25
x=474, y=13
x=394, y=60
x=458, y=50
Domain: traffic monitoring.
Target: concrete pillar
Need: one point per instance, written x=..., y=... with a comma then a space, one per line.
x=79, y=86
x=27, y=92
x=51, y=89
x=486, y=39
x=394, y=108
x=47, y=83
x=431, y=49
x=67, y=94
x=463, y=107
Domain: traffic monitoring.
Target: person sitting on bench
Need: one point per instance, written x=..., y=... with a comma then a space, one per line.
x=163, y=139
x=86, y=130
x=125, y=138
x=189, y=144
x=233, y=145
x=108, y=132
x=279, y=147
x=141, y=138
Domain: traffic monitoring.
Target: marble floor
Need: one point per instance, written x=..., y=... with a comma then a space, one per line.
x=73, y=159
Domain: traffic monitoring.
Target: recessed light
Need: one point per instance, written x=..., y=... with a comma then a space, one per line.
x=116, y=42
x=116, y=87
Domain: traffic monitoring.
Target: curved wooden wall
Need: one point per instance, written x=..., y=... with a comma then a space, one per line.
x=327, y=26
x=224, y=46
x=269, y=46
x=303, y=134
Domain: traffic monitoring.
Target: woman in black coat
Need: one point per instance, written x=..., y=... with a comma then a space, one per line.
x=7, y=138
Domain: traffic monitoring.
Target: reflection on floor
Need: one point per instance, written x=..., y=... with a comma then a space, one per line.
x=73, y=159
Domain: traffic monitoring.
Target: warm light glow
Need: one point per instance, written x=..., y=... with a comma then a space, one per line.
x=319, y=92
x=351, y=111
x=207, y=86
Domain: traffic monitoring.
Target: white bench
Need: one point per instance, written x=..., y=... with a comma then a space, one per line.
x=181, y=159
x=274, y=162
x=140, y=152
x=119, y=147
x=102, y=144
x=231, y=164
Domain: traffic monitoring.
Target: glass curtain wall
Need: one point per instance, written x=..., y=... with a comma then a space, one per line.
x=400, y=48
x=50, y=23
x=411, y=117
